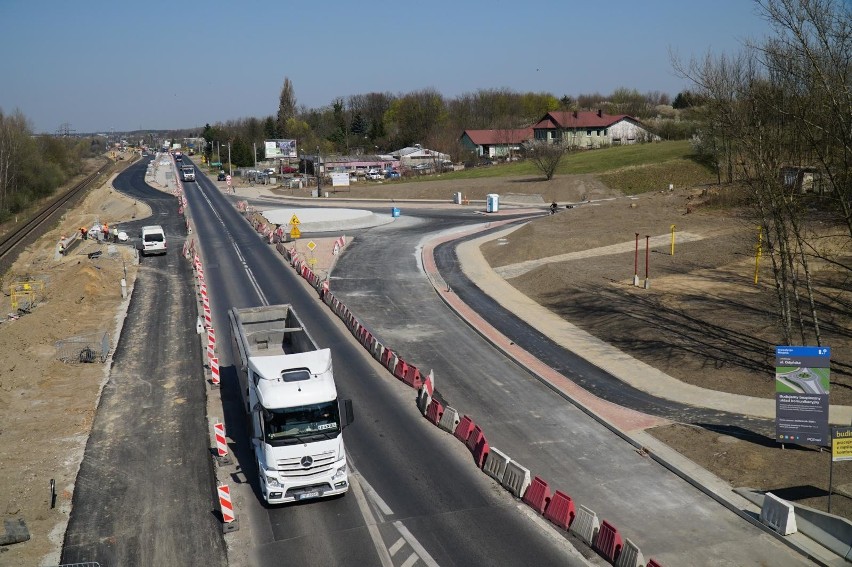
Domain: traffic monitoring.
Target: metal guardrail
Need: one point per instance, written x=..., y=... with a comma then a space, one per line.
x=94, y=347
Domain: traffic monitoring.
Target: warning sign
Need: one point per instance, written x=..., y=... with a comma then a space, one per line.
x=841, y=444
x=295, y=232
x=294, y=220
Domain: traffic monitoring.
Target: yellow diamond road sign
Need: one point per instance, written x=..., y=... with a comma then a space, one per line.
x=294, y=220
x=311, y=245
x=295, y=232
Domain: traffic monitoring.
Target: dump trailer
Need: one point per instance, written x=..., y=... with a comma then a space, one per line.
x=289, y=395
x=188, y=172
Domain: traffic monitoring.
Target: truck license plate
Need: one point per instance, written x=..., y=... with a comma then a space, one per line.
x=306, y=495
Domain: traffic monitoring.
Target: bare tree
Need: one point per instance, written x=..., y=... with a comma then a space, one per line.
x=546, y=156
x=784, y=104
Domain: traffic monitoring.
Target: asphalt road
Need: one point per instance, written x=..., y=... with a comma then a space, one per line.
x=145, y=491
x=149, y=498
x=380, y=279
x=418, y=500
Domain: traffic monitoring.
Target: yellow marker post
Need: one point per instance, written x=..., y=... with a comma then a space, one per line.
x=758, y=254
x=673, y=230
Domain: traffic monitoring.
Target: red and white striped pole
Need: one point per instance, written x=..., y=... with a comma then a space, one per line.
x=221, y=441
x=214, y=371
x=211, y=344
x=229, y=518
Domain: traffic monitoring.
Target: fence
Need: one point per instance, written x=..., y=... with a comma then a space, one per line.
x=93, y=347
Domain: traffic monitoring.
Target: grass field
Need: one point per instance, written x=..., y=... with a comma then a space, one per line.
x=631, y=169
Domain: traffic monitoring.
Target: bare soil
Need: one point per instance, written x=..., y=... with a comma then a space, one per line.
x=703, y=321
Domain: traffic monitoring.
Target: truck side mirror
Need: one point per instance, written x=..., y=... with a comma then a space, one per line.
x=347, y=415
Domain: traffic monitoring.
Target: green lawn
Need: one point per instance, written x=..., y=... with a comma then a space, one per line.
x=632, y=169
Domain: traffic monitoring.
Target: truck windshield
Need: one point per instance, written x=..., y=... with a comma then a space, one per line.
x=299, y=423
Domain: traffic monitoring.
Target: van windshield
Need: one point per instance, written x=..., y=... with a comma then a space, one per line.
x=301, y=424
x=154, y=237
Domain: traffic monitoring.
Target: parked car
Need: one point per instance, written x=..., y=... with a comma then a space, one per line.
x=221, y=176
x=374, y=175
x=389, y=174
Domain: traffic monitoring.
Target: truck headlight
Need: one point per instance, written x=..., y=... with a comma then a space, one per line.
x=339, y=473
x=272, y=481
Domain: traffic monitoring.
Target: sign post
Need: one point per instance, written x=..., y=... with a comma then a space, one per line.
x=801, y=395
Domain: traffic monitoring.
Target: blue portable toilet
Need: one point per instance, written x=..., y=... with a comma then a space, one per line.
x=492, y=203
x=395, y=212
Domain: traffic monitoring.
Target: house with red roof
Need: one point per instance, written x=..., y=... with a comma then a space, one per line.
x=495, y=143
x=590, y=129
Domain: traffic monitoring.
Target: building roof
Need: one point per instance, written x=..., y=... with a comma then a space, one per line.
x=585, y=119
x=498, y=137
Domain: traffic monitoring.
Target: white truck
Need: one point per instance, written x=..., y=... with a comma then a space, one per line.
x=290, y=397
x=187, y=172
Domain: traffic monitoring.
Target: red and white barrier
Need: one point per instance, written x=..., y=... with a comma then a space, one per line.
x=221, y=442
x=227, y=507
x=208, y=318
x=214, y=371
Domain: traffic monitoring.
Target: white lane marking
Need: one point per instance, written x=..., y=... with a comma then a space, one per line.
x=412, y=559
x=415, y=545
x=374, y=496
x=249, y=273
x=396, y=546
x=372, y=528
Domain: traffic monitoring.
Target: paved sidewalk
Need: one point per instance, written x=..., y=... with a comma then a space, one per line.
x=621, y=365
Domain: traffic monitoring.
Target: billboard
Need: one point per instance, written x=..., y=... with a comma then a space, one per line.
x=801, y=395
x=277, y=149
x=340, y=179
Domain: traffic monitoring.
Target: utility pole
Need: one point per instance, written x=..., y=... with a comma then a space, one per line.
x=317, y=171
x=230, y=168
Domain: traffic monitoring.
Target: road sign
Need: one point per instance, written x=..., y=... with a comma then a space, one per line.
x=294, y=220
x=295, y=232
x=311, y=245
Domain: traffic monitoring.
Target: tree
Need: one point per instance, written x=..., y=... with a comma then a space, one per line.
x=546, y=156
x=785, y=102
x=286, y=107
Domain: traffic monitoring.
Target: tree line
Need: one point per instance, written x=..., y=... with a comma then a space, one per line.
x=33, y=167
x=381, y=122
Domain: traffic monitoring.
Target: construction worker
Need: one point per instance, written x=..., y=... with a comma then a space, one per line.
x=105, y=231
x=84, y=232
x=115, y=233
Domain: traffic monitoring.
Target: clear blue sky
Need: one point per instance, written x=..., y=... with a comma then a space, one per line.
x=102, y=65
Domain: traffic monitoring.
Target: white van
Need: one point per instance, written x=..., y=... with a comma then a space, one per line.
x=153, y=240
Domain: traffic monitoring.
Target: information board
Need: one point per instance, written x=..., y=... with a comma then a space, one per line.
x=801, y=395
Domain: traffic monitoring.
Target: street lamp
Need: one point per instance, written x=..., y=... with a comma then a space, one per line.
x=317, y=172
x=230, y=168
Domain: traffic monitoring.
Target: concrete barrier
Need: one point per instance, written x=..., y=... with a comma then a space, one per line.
x=560, y=511
x=586, y=525
x=378, y=351
x=495, y=464
x=630, y=556
x=516, y=479
x=778, y=514
x=450, y=420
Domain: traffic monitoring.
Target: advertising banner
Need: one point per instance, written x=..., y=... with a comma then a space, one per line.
x=340, y=179
x=278, y=149
x=801, y=395
x=841, y=444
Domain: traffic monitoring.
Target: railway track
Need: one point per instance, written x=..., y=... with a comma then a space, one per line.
x=12, y=243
